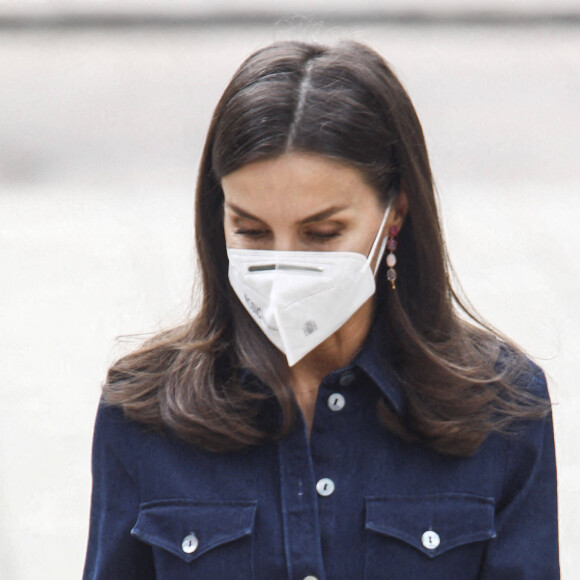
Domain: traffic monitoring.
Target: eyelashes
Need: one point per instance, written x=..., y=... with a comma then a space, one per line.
x=254, y=234
x=258, y=234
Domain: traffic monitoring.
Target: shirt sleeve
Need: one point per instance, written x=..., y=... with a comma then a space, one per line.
x=526, y=546
x=112, y=553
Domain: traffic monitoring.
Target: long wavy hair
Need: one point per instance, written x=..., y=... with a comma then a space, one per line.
x=345, y=103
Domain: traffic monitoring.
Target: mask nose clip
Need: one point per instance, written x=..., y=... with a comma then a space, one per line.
x=287, y=267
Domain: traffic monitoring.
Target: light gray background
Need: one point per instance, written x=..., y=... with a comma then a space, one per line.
x=100, y=135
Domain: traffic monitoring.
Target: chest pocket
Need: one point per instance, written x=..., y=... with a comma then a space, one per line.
x=198, y=539
x=427, y=536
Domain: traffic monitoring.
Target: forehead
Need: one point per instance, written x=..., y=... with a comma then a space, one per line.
x=295, y=184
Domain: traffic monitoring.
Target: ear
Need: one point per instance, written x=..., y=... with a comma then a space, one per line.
x=398, y=212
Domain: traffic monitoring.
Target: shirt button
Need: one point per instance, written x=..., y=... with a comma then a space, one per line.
x=346, y=379
x=336, y=402
x=310, y=578
x=190, y=543
x=430, y=540
x=325, y=487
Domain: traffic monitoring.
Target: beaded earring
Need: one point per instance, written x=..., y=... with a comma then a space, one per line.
x=391, y=258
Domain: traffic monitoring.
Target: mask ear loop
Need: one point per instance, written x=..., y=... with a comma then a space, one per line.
x=376, y=242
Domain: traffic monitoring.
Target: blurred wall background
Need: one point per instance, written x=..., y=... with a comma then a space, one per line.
x=103, y=112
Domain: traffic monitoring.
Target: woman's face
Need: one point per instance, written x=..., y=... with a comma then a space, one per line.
x=301, y=202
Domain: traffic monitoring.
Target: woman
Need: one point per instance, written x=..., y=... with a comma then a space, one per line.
x=328, y=414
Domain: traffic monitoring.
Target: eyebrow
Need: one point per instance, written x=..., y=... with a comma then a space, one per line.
x=317, y=217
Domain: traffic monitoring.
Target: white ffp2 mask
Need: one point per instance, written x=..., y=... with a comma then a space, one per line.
x=299, y=299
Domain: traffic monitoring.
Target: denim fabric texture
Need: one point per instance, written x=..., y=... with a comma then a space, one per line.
x=385, y=509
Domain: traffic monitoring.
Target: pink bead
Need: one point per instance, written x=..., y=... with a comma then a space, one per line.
x=391, y=260
x=392, y=245
x=393, y=231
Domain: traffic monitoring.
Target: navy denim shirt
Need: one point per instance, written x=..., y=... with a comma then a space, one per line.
x=355, y=502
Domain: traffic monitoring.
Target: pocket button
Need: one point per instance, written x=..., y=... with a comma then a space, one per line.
x=190, y=543
x=430, y=540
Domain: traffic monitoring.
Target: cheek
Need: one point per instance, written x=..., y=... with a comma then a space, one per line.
x=231, y=240
x=363, y=236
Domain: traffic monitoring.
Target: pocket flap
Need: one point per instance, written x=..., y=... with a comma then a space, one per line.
x=432, y=523
x=189, y=528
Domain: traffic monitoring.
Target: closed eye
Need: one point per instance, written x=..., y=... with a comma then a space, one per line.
x=323, y=235
x=254, y=234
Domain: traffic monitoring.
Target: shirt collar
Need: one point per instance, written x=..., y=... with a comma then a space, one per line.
x=374, y=360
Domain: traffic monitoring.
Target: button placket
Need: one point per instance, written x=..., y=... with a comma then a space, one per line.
x=300, y=506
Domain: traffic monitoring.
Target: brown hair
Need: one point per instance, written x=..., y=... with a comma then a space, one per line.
x=345, y=103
